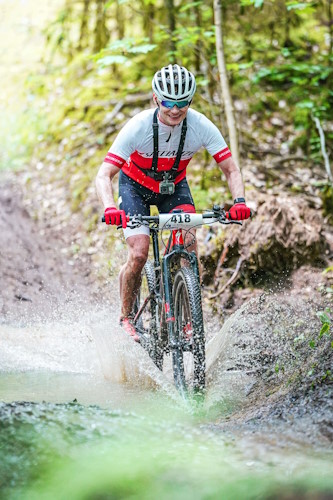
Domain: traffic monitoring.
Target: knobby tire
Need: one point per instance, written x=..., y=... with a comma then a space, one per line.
x=148, y=323
x=189, y=357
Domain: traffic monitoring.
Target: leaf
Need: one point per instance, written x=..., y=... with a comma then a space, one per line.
x=142, y=49
x=112, y=59
x=328, y=269
x=123, y=44
x=323, y=317
x=312, y=344
x=189, y=6
x=324, y=329
x=246, y=65
x=255, y=3
x=305, y=105
x=297, y=6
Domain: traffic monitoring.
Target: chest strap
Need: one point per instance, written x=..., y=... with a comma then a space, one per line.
x=173, y=172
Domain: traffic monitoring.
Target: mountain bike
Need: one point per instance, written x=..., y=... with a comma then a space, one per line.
x=168, y=310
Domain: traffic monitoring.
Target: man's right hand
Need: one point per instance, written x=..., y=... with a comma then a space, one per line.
x=115, y=217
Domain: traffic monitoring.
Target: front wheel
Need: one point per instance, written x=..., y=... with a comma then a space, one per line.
x=188, y=355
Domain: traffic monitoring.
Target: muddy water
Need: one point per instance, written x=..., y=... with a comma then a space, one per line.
x=77, y=394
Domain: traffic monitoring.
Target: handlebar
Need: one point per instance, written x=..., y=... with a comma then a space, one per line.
x=180, y=220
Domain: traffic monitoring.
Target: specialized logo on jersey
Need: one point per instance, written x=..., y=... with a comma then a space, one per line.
x=114, y=160
x=166, y=154
x=222, y=155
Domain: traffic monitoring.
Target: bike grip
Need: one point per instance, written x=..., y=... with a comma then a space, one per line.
x=118, y=227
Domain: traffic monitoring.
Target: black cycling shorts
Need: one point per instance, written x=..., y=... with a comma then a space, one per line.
x=136, y=199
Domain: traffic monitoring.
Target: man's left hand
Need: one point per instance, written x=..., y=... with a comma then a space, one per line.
x=239, y=211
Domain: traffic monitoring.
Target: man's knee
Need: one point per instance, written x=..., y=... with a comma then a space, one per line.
x=139, y=257
x=138, y=252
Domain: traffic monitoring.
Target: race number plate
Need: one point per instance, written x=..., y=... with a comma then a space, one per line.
x=183, y=220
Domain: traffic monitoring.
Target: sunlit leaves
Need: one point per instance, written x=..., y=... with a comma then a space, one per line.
x=298, y=5
x=255, y=3
x=112, y=59
x=189, y=6
x=122, y=51
x=142, y=49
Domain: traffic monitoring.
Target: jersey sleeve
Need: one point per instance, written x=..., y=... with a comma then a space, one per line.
x=213, y=141
x=124, y=144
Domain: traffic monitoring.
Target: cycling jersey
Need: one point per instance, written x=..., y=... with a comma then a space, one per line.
x=132, y=150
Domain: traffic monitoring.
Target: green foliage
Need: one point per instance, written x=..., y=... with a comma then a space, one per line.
x=325, y=328
x=274, y=52
x=307, y=87
x=326, y=323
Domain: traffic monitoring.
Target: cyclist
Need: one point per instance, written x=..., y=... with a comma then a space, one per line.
x=151, y=154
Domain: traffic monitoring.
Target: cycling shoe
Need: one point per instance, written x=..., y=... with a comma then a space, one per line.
x=127, y=325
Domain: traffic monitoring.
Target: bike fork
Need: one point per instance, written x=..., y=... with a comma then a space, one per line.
x=173, y=341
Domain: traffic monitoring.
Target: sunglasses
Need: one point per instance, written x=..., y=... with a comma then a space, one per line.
x=171, y=104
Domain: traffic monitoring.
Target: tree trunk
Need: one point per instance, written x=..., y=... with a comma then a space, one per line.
x=169, y=4
x=100, y=26
x=120, y=20
x=148, y=19
x=330, y=24
x=84, y=26
x=198, y=45
x=224, y=83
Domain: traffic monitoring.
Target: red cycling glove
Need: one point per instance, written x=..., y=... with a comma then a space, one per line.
x=115, y=217
x=239, y=211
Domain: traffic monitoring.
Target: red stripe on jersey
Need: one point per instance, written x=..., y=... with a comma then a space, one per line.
x=222, y=155
x=115, y=160
x=163, y=163
x=141, y=178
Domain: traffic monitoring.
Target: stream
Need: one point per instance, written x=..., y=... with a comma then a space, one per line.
x=86, y=414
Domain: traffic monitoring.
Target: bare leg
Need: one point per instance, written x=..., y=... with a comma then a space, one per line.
x=130, y=273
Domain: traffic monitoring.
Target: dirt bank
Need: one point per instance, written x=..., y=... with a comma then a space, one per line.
x=36, y=271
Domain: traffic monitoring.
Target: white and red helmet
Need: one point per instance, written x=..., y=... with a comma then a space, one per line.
x=174, y=83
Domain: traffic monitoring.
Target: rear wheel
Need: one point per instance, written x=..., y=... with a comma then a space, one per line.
x=148, y=320
x=189, y=358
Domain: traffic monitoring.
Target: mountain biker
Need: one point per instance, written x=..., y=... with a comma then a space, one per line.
x=151, y=153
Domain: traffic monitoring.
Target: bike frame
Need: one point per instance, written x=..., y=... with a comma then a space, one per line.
x=175, y=249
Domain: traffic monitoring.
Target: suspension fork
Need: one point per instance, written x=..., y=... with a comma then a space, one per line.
x=168, y=300
x=177, y=250
x=157, y=264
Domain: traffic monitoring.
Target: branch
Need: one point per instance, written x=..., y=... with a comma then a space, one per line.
x=230, y=281
x=323, y=148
